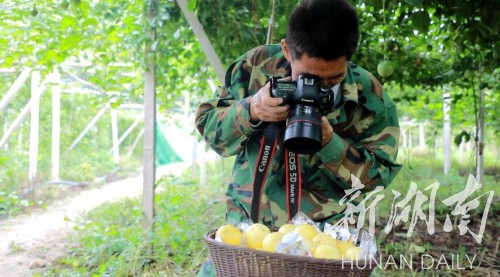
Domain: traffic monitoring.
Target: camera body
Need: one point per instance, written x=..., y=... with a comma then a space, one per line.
x=308, y=101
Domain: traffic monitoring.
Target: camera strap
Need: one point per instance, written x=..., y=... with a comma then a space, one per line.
x=293, y=183
x=268, y=145
x=269, y=141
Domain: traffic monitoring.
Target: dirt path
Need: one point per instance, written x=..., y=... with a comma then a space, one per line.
x=29, y=243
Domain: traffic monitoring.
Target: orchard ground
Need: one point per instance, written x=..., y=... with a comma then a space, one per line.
x=29, y=243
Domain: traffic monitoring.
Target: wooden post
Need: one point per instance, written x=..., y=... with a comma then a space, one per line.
x=129, y=130
x=19, y=119
x=136, y=141
x=206, y=45
x=114, y=135
x=203, y=167
x=421, y=135
x=410, y=138
x=16, y=86
x=34, y=130
x=92, y=122
x=194, y=155
x=56, y=123
x=187, y=107
x=271, y=25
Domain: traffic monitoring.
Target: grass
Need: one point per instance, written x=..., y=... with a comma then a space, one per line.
x=109, y=239
x=14, y=201
x=424, y=169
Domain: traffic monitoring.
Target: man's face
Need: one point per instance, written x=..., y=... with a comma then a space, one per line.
x=330, y=73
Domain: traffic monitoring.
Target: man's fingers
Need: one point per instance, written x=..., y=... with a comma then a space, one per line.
x=271, y=114
x=327, y=130
x=271, y=101
x=267, y=108
x=324, y=121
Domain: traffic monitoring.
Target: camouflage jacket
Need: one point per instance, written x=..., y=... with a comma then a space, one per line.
x=365, y=141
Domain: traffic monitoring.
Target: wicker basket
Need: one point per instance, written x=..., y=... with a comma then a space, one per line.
x=235, y=261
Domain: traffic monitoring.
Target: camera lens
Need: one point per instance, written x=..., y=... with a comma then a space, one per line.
x=303, y=131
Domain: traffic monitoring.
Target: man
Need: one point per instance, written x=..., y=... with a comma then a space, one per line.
x=360, y=133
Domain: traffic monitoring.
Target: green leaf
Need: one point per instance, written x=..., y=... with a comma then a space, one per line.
x=191, y=5
x=90, y=21
x=70, y=42
x=377, y=4
x=416, y=248
x=421, y=21
x=84, y=8
x=8, y=61
x=415, y=2
x=115, y=104
x=464, y=8
x=4, y=42
x=47, y=55
x=3, y=160
x=68, y=22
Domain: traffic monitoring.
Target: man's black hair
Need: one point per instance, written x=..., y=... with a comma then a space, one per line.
x=326, y=29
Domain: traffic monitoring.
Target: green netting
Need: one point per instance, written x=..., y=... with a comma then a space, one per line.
x=165, y=154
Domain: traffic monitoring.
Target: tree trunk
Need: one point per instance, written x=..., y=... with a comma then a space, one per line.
x=194, y=155
x=480, y=139
x=149, y=123
x=410, y=139
x=404, y=139
x=421, y=136
x=203, y=168
x=446, y=131
x=56, y=124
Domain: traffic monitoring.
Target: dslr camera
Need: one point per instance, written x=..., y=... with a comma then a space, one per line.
x=308, y=100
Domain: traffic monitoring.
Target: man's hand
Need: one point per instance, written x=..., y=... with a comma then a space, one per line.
x=327, y=130
x=266, y=108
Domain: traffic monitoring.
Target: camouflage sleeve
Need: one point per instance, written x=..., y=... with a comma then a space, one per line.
x=371, y=157
x=224, y=122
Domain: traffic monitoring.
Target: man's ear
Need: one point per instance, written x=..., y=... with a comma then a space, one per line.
x=286, y=50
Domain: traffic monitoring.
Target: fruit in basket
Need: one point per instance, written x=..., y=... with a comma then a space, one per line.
x=327, y=251
x=352, y=253
x=323, y=238
x=254, y=235
x=344, y=245
x=308, y=244
x=306, y=230
x=294, y=244
x=271, y=241
x=349, y=250
x=286, y=228
x=228, y=234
